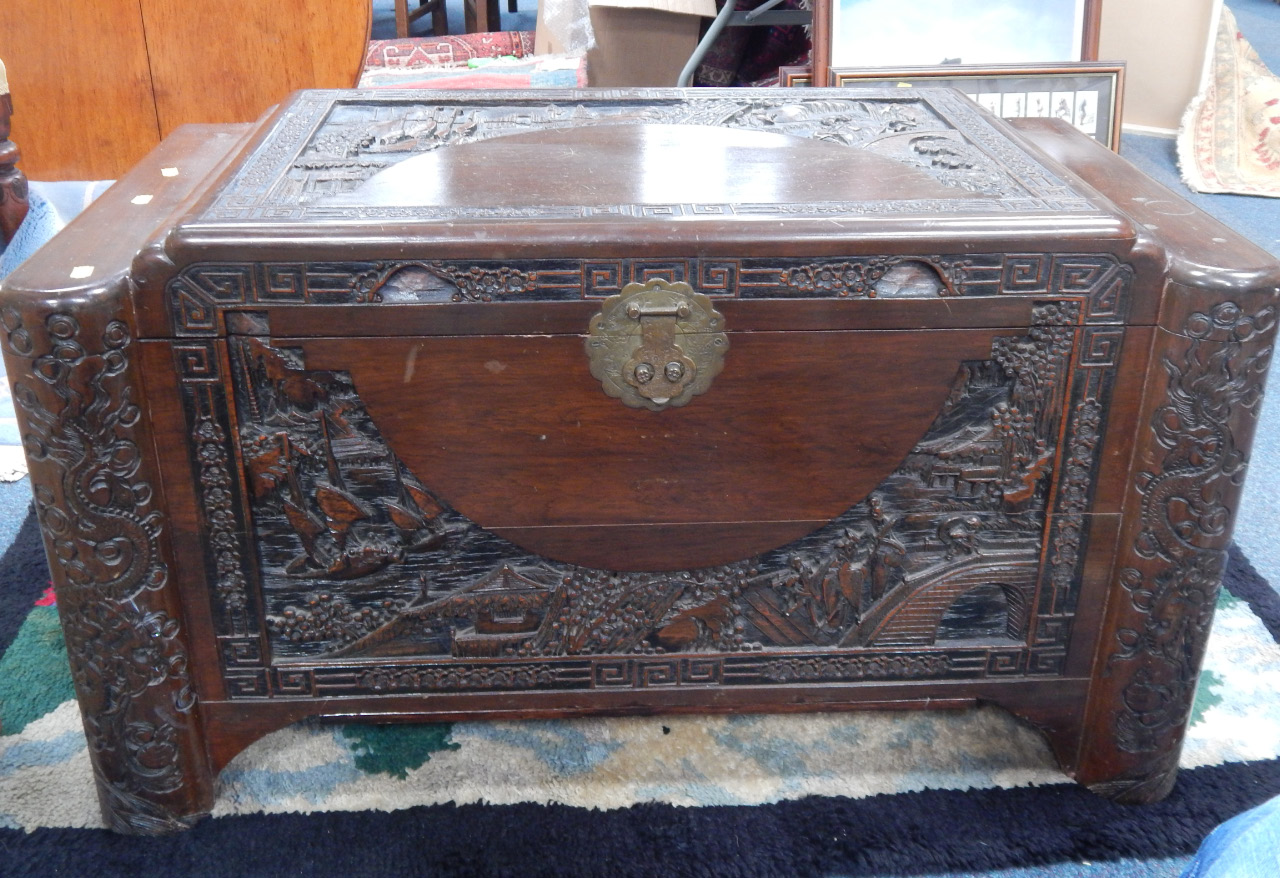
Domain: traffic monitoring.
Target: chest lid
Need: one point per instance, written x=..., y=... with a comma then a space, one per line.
x=395, y=174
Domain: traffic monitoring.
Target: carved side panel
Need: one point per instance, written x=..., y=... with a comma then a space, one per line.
x=78, y=391
x=1188, y=482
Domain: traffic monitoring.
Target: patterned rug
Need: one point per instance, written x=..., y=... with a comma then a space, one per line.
x=1230, y=136
x=818, y=794
x=503, y=59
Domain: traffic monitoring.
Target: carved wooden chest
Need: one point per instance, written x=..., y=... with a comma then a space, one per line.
x=436, y=405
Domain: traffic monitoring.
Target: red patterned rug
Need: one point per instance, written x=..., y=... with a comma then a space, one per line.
x=504, y=59
x=447, y=51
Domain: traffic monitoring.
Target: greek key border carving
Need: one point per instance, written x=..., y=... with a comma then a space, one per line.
x=199, y=291
x=248, y=676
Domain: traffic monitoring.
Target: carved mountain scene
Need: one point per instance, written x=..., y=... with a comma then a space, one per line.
x=358, y=558
x=425, y=155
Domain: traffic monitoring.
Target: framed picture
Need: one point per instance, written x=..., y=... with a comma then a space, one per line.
x=918, y=33
x=795, y=77
x=1087, y=95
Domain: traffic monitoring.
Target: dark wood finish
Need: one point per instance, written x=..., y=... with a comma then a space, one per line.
x=483, y=16
x=1092, y=30
x=944, y=458
x=405, y=16
x=796, y=77
x=96, y=489
x=743, y=448
x=135, y=70
x=820, y=54
x=97, y=469
x=13, y=184
x=1215, y=336
x=695, y=158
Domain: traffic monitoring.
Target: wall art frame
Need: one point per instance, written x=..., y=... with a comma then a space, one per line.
x=878, y=33
x=796, y=76
x=1087, y=95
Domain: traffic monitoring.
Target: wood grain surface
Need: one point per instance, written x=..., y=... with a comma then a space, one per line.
x=248, y=58
x=515, y=433
x=83, y=84
x=100, y=87
x=649, y=164
x=311, y=470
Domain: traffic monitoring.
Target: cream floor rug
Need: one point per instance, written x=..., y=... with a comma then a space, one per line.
x=1230, y=136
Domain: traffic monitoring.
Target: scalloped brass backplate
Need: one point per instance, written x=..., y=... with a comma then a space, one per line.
x=656, y=345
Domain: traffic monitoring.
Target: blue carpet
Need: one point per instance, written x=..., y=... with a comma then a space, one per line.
x=924, y=835
x=15, y=498
x=1251, y=215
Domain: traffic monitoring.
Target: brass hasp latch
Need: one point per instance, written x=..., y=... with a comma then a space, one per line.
x=656, y=345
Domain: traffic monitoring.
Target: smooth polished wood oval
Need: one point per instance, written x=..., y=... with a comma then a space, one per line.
x=515, y=432
x=646, y=164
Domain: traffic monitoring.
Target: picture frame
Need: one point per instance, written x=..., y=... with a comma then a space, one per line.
x=1088, y=95
x=923, y=33
x=799, y=76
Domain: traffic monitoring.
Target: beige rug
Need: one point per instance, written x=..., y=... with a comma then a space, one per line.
x=1230, y=136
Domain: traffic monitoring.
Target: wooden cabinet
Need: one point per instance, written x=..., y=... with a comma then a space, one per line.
x=98, y=87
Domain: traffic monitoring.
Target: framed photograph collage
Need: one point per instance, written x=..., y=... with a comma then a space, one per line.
x=1016, y=58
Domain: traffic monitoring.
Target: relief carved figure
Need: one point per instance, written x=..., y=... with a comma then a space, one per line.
x=95, y=499
x=1171, y=571
x=328, y=150
x=1215, y=378
x=361, y=560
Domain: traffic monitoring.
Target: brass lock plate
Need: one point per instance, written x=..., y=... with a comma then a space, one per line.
x=656, y=345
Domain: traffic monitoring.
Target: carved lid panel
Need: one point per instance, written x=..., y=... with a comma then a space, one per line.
x=630, y=168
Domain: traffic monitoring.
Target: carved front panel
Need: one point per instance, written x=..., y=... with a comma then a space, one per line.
x=965, y=561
